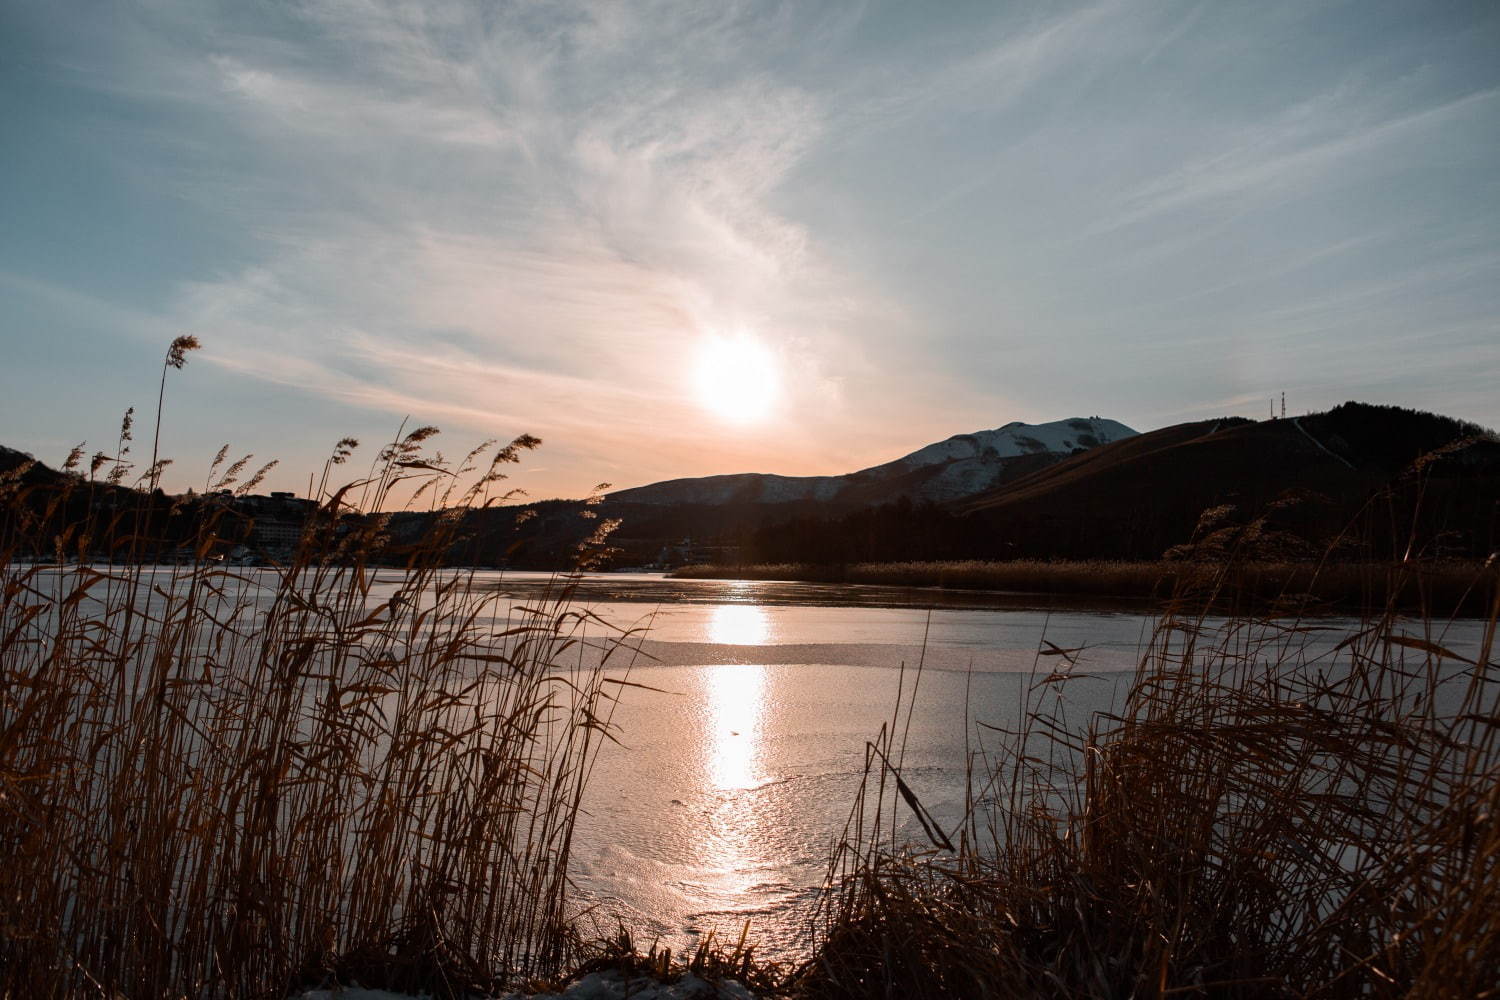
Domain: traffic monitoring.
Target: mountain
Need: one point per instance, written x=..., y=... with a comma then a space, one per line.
x=961, y=466
x=1297, y=485
x=1356, y=482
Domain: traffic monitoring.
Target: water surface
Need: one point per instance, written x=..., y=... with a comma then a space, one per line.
x=742, y=733
x=736, y=777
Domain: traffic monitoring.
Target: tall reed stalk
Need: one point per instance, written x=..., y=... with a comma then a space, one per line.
x=222, y=781
x=176, y=358
x=1254, y=821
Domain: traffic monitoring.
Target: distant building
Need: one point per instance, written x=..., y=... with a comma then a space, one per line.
x=275, y=535
x=277, y=521
x=686, y=553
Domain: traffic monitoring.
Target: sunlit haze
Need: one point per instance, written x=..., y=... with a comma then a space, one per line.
x=680, y=239
x=736, y=378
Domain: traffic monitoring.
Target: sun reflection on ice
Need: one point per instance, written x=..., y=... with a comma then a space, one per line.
x=736, y=694
x=734, y=760
x=739, y=625
x=731, y=838
x=736, y=699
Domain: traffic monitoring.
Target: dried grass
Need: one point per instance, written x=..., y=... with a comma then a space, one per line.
x=1251, y=824
x=226, y=783
x=222, y=782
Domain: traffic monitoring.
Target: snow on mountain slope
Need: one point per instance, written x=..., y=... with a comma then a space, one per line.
x=961, y=466
x=1015, y=439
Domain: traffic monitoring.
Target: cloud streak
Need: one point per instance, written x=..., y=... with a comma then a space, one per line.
x=516, y=217
x=1293, y=154
x=622, y=218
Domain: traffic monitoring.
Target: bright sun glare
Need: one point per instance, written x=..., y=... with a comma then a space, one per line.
x=736, y=378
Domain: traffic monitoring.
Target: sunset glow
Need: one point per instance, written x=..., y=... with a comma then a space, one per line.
x=736, y=378
x=609, y=224
x=582, y=496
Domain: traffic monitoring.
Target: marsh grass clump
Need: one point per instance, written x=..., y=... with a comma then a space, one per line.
x=224, y=781
x=1253, y=822
x=712, y=959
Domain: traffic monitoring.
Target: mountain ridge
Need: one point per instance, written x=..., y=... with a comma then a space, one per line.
x=1357, y=482
x=958, y=466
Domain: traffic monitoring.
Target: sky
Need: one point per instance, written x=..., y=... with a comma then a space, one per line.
x=679, y=238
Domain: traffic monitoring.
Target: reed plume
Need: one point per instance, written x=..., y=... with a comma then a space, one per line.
x=176, y=358
x=224, y=781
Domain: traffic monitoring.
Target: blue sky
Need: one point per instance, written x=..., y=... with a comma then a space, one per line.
x=932, y=218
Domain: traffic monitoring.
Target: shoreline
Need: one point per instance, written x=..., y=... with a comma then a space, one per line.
x=1460, y=588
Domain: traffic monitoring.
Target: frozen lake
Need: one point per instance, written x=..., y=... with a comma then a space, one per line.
x=742, y=730
x=734, y=780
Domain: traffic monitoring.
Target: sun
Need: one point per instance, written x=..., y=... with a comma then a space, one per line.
x=736, y=378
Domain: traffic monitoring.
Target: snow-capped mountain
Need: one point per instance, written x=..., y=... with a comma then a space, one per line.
x=961, y=466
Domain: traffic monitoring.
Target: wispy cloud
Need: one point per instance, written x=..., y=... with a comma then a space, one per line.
x=1304, y=147
x=517, y=217
x=531, y=192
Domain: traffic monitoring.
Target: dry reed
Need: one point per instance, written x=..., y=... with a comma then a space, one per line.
x=218, y=781
x=1253, y=823
x=224, y=782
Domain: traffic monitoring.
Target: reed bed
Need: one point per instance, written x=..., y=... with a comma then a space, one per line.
x=1252, y=823
x=1236, y=585
x=223, y=782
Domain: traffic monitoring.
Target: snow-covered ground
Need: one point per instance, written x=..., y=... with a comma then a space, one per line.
x=594, y=986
